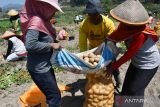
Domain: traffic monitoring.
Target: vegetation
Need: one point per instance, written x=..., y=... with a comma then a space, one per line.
x=11, y=74
x=4, y=25
x=16, y=77
x=154, y=8
x=19, y=76
x=68, y=16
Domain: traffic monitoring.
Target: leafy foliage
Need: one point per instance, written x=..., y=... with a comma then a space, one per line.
x=108, y=5
x=16, y=77
x=154, y=8
x=4, y=25
x=78, y=2
x=68, y=16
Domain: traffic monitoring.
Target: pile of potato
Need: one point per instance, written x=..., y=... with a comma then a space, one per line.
x=91, y=58
x=157, y=28
x=99, y=90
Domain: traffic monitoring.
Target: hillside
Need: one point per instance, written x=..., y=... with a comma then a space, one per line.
x=11, y=6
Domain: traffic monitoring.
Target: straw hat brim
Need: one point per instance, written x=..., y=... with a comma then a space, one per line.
x=56, y=5
x=7, y=34
x=12, y=12
x=125, y=21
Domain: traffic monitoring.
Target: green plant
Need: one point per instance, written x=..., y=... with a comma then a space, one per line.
x=57, y=69
x=16, y=77
x=154, y=8
x=122, y=47
x=108, y=5
x=4, y=25
x=68, y=16
x=5, y=81
x=20, y=77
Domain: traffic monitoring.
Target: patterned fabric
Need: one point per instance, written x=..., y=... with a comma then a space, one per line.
x=73, y=63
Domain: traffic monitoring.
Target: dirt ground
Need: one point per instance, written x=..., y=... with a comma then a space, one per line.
x=74, y=97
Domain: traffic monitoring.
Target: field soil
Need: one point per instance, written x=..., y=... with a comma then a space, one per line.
x=75, y=97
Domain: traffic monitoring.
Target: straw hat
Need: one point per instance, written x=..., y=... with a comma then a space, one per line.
x=12, y=12
x=93, y=6
x=130, y=12
x=7, y=34
x=54, y=3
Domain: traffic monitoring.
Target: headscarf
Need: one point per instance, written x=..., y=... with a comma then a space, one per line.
x=124, y=32
x=36, y=15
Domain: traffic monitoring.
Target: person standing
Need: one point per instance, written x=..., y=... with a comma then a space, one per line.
x=140, y=41
x=40, y=39
x=94, y=29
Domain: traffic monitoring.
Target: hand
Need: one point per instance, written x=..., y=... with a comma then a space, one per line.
x=55, y=46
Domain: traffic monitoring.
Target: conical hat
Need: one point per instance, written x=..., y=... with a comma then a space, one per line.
x=7, y=34
x=130, y=12
x=12, y=12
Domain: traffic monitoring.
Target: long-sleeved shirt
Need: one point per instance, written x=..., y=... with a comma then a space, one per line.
x=142, y=51
x=39, y=51
x=90, y=35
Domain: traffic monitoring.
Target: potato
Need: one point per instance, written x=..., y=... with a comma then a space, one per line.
x=95, y=100
x=95, y=89
x=81, y=57
x=106, y=92
x=99, y=91
x=111, y=94
x=111, y=85
x=90, y=96
x=85, y=55
x=99, y=56
x=100, y=97
x=90, y=64
x=110, y=101
x=97, y=59
x=95, y=95
x=86, y=59
x=100, y=104
x=102, y=91
x=91, y=55
x=91, y=60
x=95, y=63
x=108, y=88
x=90, y=91
x=94, y=104
x=89, y=105
x=104, y=102
x=105, y=97
x=90, y=100
x=107, y=105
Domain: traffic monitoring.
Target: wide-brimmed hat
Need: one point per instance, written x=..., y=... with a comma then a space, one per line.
x=7, y=34
x=12, y=12
x=54, y=3
x=130, y=12
x=93, y=6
